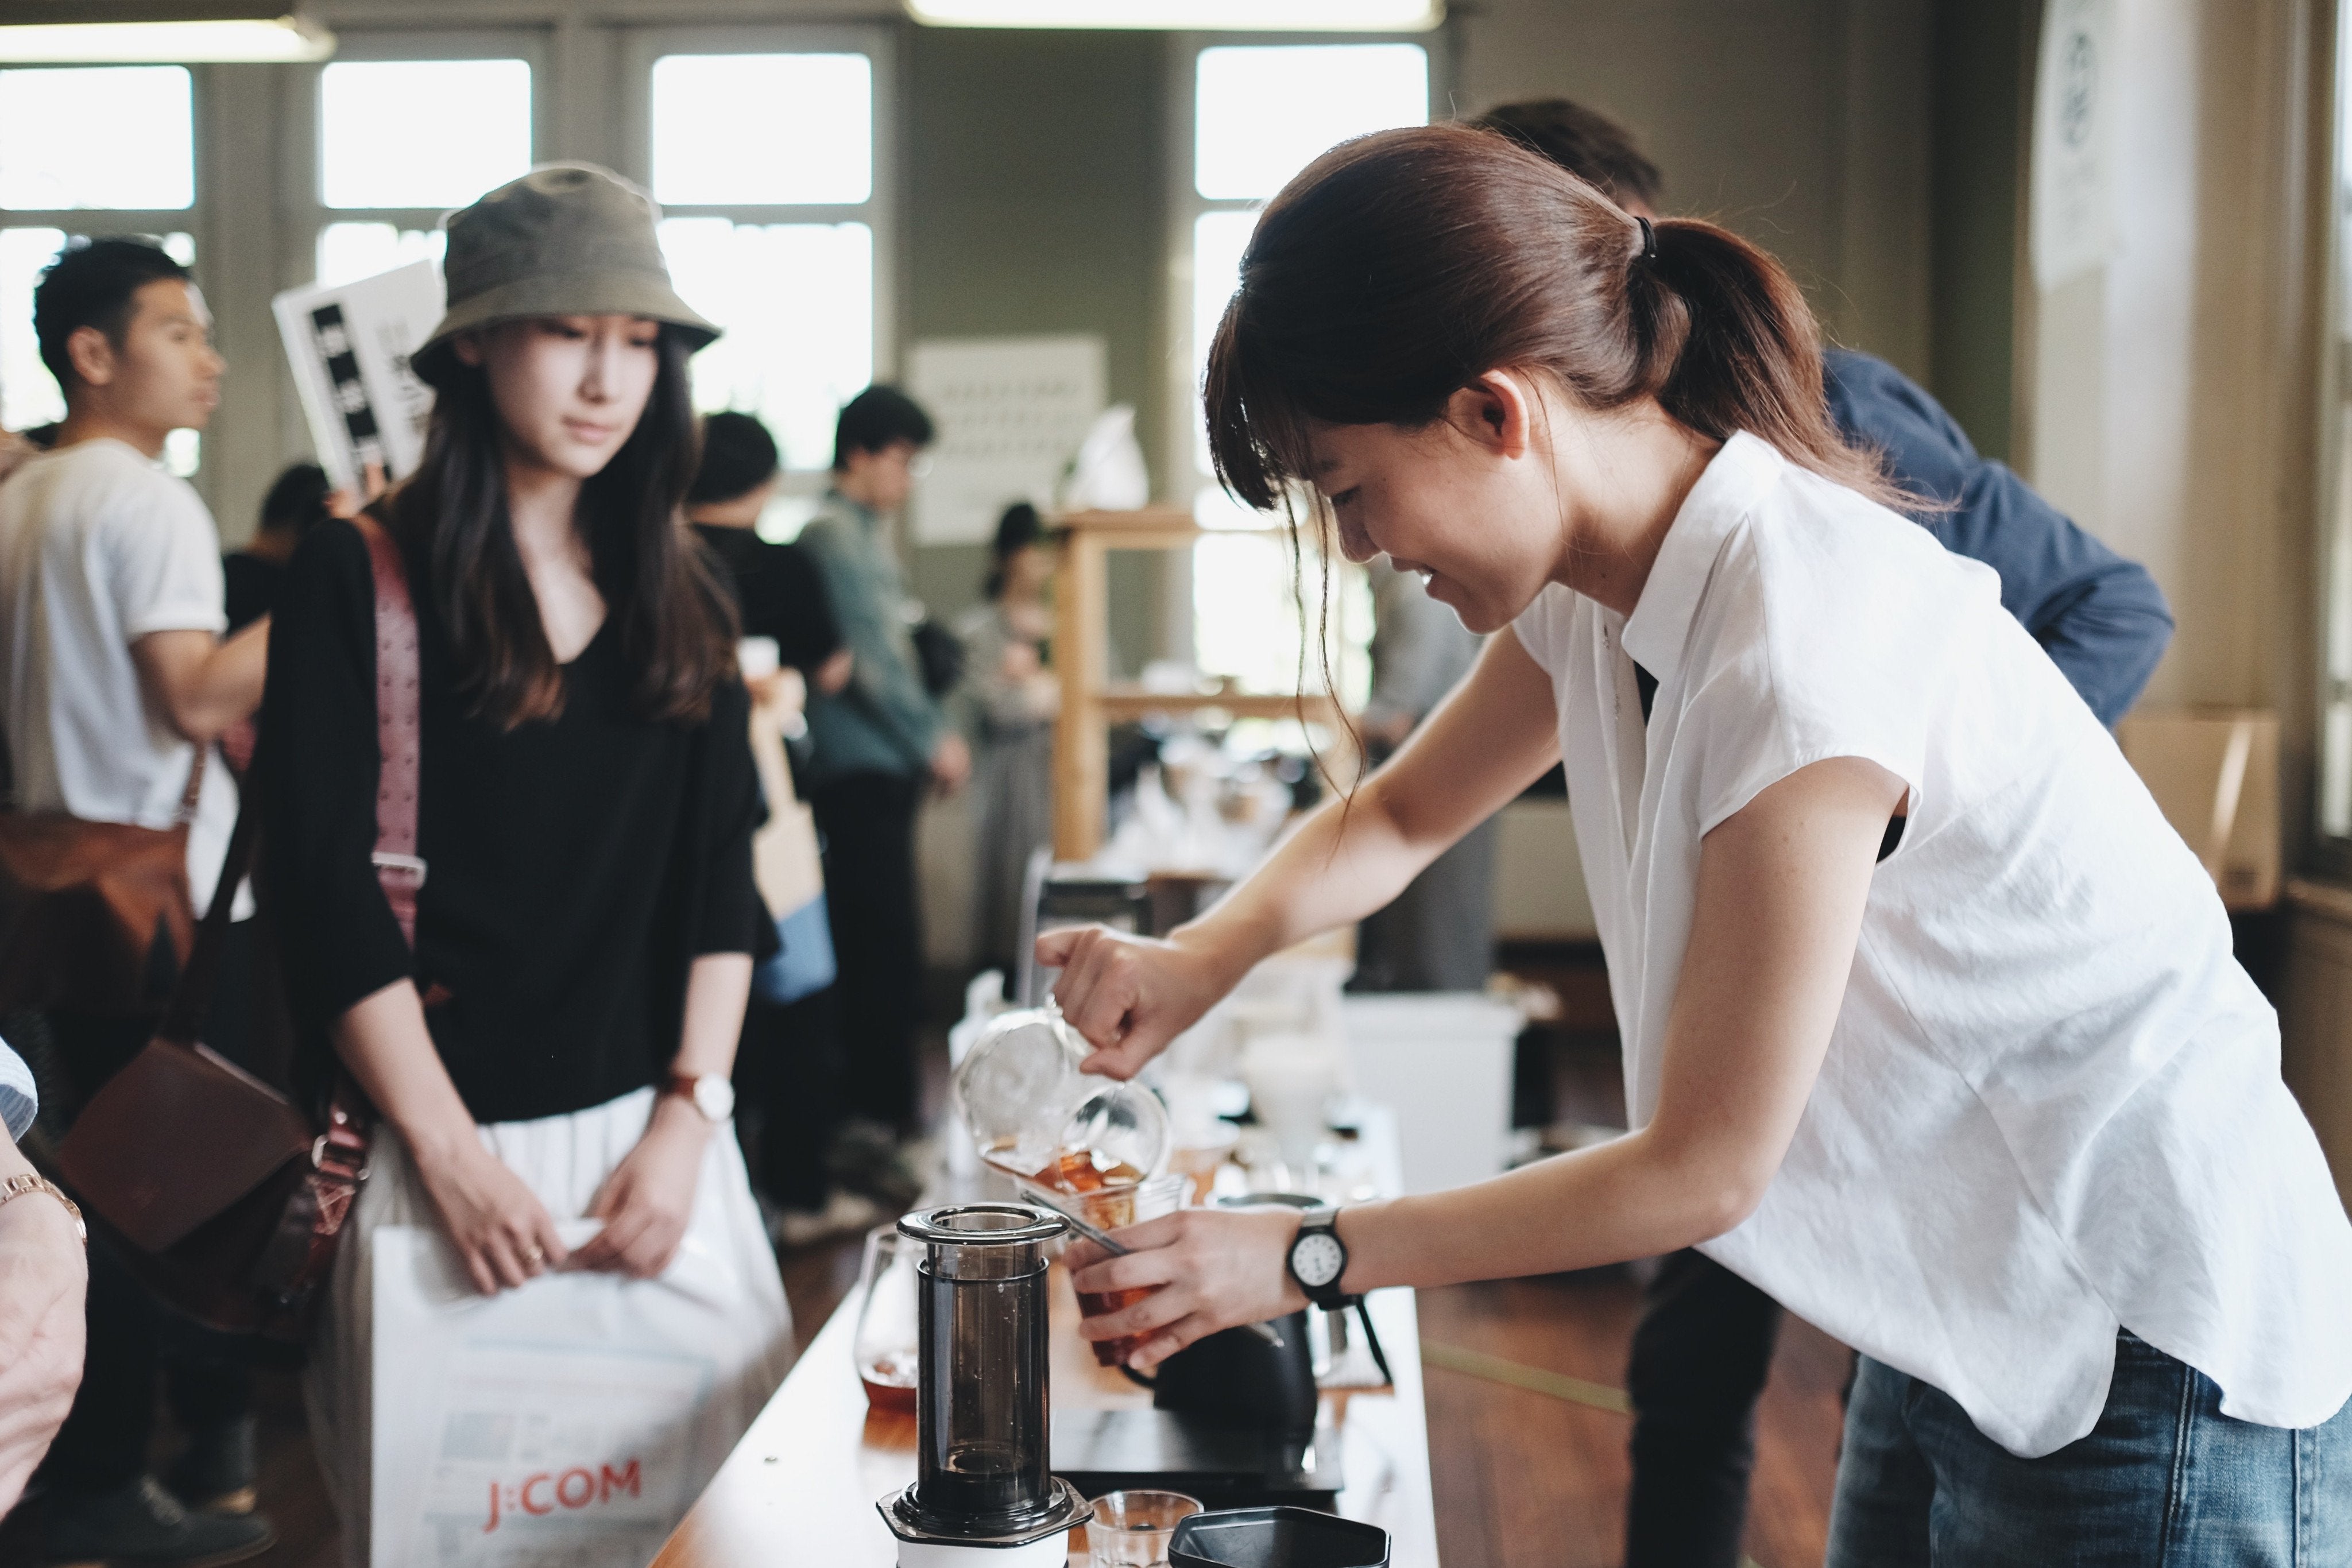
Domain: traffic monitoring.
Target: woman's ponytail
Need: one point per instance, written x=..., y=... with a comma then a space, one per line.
x=1400, y=268
x=1730, y=345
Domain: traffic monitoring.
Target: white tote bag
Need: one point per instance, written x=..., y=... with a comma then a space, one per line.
x=576, y=1418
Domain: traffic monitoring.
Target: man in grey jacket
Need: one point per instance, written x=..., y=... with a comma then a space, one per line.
x=877, y=748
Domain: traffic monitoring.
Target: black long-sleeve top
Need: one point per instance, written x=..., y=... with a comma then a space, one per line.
x=575, y=868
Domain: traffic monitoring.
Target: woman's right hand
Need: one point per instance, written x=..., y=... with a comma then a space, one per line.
x=495, y=1221
x=1129, y=996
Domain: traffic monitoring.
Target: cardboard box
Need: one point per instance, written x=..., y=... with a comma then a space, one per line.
x=2214, y=771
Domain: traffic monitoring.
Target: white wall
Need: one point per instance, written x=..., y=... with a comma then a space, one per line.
x=1801, y=123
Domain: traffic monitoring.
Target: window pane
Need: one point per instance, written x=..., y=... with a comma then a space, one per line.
x=421, y=133
x=1218, y=240
x=1249, y=626
x=762, y=128
x=108, y=136
x=1263, y=112
x=361, y=250
x=797, y=301
x=28, y=393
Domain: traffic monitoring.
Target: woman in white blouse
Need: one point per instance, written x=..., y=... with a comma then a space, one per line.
x=1930, y=1023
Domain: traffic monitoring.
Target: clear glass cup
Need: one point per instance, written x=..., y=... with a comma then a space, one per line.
x=1032, y=1113
x=1110, y=1210
x=1131, y=1529
x=886, y=1344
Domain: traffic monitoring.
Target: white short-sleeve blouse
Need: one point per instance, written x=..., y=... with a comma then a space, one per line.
x=2051, y=1103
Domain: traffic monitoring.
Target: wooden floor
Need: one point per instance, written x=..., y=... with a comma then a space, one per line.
x=1523, y=1478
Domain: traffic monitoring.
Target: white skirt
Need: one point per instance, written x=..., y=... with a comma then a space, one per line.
x=564, y=1160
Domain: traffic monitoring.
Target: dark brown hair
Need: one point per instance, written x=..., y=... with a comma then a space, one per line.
x=1584, y=141
x=1399, y=268
x=677, y=623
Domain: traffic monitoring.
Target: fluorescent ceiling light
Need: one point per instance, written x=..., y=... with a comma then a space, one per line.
x=164, y=43
x=1188, y=15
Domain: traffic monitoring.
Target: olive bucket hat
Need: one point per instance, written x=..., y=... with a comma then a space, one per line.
x=566, y=239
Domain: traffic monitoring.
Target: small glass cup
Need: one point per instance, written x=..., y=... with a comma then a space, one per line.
x=885, y=1345
x=1131, y=1529
x=1110, y=1208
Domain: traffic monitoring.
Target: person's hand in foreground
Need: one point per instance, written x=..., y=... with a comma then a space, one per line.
x=502, y=1232
x=42, y=1276
x=648, y=1200
x=1208, y=1268
x=1128, y=995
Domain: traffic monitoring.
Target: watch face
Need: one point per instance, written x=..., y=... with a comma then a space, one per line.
x=714, y=1097
x=1317, y=1258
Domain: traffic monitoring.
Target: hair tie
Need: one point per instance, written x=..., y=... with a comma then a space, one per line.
x=1649, y=239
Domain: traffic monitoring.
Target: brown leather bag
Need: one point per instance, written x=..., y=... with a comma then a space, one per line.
x=226, y=1197
x=95, y=917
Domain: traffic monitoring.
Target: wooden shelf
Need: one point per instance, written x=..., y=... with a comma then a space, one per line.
x=1090, y=703
x=1126, y=702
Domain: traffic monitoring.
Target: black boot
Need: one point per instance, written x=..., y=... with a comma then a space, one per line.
x=216, y=1473
x=141, y=1522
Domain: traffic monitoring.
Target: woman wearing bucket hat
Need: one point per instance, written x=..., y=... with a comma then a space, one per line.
x=556, y=1046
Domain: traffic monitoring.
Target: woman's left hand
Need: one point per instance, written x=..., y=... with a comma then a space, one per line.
x=1214, y=1268
x=647, y=1200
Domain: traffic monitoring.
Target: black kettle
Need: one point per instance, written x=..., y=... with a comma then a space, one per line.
x=1234, y=1376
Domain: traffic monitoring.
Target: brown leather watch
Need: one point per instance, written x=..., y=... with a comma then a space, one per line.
x=16, y=1187
x=711, y=1094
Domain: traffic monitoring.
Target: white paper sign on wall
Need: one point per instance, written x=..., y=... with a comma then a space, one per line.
x=349, y=344
x=2073, y=224
x=1011, y=414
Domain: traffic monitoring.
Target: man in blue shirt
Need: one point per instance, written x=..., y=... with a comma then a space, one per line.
x=1704, y=1346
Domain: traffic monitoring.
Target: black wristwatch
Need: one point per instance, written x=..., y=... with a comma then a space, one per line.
x=1318, y=1260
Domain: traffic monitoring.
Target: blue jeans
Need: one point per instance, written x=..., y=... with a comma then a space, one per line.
x=2164, y=1480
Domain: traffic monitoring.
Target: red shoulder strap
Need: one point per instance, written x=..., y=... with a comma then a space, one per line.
x=398, y=726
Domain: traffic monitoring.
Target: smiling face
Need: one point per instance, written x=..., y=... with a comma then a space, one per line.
x=568, y=390
x=1469, y=502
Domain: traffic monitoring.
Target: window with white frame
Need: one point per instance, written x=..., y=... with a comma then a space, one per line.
x=764, y=165
x=388, y=172
x=86, y=150
x=1261, y=113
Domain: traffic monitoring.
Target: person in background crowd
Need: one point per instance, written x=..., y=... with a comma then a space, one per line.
x=42, y=1276
x=777, y=586
x=557, y=1043
x=875, y=747
x=1705, y=1344
x=297, y=498
x=118, y=683
x=1439, y=933
x=1009, y=699
x=788, y=1068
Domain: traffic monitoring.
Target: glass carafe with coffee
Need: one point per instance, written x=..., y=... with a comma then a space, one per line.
x=1092, y=1147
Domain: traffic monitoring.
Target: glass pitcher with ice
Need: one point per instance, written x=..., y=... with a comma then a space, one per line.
x=1036, y=1116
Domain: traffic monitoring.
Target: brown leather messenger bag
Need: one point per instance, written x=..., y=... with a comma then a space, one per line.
x=222, y=1194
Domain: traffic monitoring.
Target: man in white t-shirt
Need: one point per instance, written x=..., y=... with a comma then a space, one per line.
x=113, y=680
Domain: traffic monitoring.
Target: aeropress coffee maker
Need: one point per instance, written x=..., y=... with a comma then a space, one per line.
x=983, y=1496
